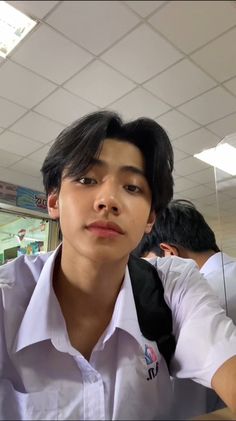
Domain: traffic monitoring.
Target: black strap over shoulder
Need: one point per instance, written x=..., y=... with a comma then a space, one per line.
x=154, y=315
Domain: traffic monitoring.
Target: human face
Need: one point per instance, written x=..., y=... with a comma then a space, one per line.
x=104, y=213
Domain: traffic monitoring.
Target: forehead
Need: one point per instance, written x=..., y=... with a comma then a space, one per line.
x=121, y=153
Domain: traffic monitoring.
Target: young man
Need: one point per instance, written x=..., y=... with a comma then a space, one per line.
x=71, y=345
x=181, y=230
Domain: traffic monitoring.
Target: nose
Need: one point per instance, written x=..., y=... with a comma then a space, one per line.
x=107, y=200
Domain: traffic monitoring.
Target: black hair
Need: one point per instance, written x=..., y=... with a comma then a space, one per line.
x=72, y=153
x=181, y=224
x=149, y=243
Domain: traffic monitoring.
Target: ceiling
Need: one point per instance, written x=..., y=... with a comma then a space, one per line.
x=174, y=61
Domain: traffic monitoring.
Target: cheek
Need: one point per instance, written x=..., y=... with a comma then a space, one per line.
x=74, y=209
x=141, y=212
x=69, y=210
x=139, y=221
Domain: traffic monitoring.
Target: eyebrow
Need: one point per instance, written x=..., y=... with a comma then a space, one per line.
x=125, y=168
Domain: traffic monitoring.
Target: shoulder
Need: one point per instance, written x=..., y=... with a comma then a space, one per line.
x=17, y=283
x=176, y=270
x=185, y=288
x=25, y=269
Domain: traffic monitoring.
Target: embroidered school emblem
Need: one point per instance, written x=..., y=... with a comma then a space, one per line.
x=150, y=355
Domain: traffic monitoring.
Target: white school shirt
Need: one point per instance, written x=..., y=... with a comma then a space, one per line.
x=220, y=272
x=42, y=377
x=192, y=399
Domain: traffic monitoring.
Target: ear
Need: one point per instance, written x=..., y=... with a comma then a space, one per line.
x=169, y=250
x=150, y=222
x=53, y=206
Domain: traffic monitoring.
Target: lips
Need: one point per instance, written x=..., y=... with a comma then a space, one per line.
x=105, y=226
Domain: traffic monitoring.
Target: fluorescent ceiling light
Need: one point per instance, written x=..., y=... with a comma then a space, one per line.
x=222, y=157
x=14, y=26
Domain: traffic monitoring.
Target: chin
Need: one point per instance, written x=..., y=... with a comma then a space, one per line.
x=107, y=255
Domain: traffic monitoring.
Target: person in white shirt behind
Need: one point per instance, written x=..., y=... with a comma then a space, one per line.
x=71, y=347
x=181, y=230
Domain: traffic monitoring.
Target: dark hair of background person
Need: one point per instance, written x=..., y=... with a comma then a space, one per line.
x=181, y=224
x=149, y=243
x=72, y=153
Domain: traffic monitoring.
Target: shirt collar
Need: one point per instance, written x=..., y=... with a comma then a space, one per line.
x=215, y=262
x=43, y=317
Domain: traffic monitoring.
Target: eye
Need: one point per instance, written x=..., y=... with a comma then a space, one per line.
x=132, y=188
x=87, y=180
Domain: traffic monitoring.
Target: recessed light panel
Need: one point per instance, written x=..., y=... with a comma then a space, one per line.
x=223, y=157
x=14, y=26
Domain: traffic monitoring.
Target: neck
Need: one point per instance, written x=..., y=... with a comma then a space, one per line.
x=87, y=291
x=87, y=285
x=201, y=258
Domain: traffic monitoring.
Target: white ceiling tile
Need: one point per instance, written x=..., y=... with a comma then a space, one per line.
x=182, y=184
x=224, y=126
x=40, y=154
x=8, y=158
x=94, y=25
x=221, y=176
x=20, y=179
x=210, y=212
x=231, y=193
x=38, y=9
x=37, y=127
x=18, y=144
x=232, y=208
x=210, y=106
x=221, y=66
x=37, y=183
x=226, y=185
x=139, y=103
x=9, y=112
x=22, y=86
x=212, y=199
x=208, y=200
x=180, y=83
x=99, y=84
x=142, y=54
x=26, y=166
x=177, y=196
x=231, y=85
x=178, y=155
x=176, y=124
x=51, y=55
x=189, y=165
x=197, y=192
x=64, y=107
x=191, y=24
x=222, y=197
x=212, y=184
x=144, y=8
x=196, y=141
x=204, y=177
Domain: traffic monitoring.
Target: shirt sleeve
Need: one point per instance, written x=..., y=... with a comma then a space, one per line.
x=205, y=336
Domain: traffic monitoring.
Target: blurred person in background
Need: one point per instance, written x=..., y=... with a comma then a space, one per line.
x=181, y=230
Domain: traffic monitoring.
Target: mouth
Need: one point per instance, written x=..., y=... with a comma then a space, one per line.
x=105, y=229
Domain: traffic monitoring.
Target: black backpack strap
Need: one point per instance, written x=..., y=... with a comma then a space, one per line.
x=154, y=315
